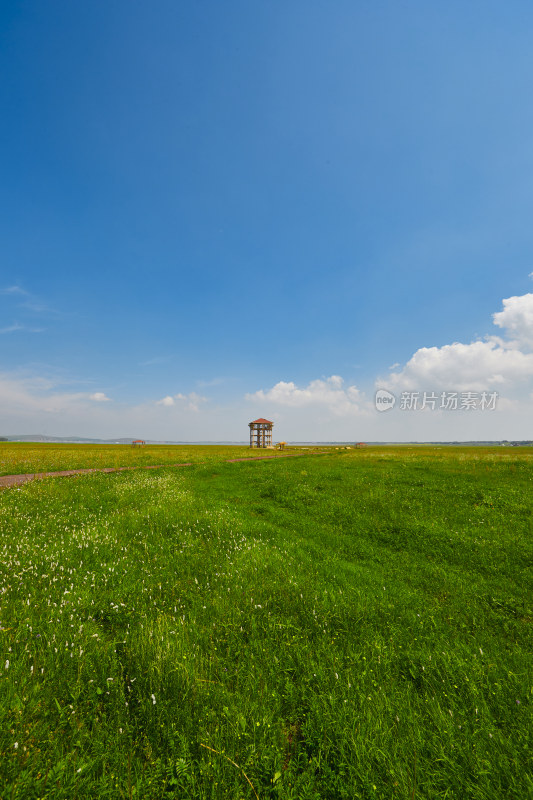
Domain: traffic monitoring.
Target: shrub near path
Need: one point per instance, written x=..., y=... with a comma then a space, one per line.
x=355, y=626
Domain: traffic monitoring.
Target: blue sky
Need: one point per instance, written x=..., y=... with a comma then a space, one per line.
x=217, y=211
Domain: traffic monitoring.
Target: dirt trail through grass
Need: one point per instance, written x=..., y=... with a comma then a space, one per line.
x=7, y=481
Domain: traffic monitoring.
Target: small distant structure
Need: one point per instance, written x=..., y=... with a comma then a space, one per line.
x=261, y=433
x=281, y=445
x=361, y=444
x=138, y=443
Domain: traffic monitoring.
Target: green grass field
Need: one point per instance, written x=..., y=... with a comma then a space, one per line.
x=352, y=625
x=17, y=458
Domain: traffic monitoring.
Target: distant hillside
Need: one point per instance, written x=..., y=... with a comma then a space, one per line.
x=40, y=438
x=128, y=440
x=72, y=439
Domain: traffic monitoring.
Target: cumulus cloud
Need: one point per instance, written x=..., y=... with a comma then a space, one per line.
x=99, y=397
x=475, y=366
x=494, y=363
x=517, y=319
x=329, y=393
x=166, y=401
x=188, y=402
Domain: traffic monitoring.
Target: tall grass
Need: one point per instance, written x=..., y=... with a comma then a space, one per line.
x=17, y=458
x=354, y=626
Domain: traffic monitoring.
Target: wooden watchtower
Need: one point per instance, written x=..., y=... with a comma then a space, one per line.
x=261, y=433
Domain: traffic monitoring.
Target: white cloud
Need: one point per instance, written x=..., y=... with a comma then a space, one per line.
x=35, y=404
x=517, y=319
x=30, y=304
x=329, y=393
x=495, y=363
x=211, y=383
x=13, y=290
x=166, y=401
x=27, y=396
x=154, y=361
x=187, y=402
x=38, y=308
x=475, y=366
x=16, y=327
x=324, y=409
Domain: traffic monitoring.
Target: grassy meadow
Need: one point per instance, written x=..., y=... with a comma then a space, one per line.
x=353, y=625
x=17, y=458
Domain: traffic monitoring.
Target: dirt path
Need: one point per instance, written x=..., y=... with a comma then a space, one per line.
x=7, y=481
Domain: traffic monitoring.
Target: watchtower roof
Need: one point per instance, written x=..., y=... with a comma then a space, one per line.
x=261, y=420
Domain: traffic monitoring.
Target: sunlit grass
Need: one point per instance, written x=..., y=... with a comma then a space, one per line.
x=351, y=626
x=17, y=458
